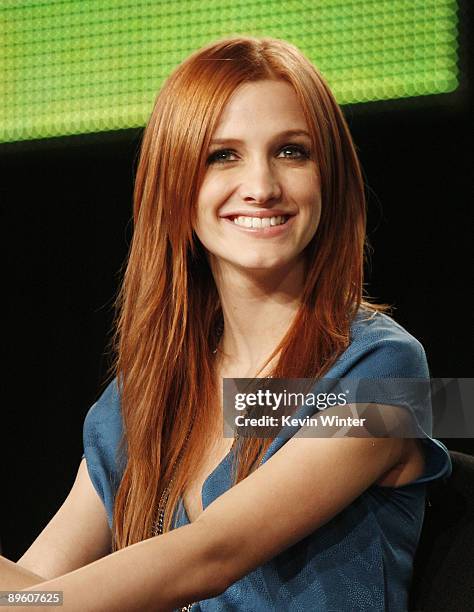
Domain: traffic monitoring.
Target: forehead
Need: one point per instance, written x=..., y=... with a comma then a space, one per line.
x=261, y=106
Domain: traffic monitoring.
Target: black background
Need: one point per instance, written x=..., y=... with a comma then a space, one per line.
x=67, y=210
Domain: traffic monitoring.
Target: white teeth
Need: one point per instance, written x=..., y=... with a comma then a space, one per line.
x=257, y=222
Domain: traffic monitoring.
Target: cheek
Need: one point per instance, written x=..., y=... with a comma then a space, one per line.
x=211, y=197
x=203, y=207
x=213, y=193
x=302, y=186
x=308, y=195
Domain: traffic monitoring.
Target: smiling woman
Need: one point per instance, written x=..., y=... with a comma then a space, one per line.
x=247, y=260
x=265, y=186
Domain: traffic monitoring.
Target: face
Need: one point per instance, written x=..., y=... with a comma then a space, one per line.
x=260, y=202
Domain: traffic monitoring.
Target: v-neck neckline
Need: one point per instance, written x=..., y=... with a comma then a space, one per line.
x=204, y=484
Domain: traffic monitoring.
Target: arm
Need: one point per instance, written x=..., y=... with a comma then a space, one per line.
x=14, y=577
x=77, y=535
x=258, y=518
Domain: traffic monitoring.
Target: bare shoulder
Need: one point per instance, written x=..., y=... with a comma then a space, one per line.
x=77, y=534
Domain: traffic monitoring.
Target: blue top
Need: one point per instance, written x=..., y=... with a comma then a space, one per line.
x=360, y=560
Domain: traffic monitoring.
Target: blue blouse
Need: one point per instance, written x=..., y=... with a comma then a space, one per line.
x=360, y=560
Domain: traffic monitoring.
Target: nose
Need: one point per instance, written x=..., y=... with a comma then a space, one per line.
x=259, y=184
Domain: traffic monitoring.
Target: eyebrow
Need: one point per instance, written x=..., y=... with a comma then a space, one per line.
x=285, y=134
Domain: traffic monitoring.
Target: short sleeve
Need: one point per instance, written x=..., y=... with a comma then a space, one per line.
x=386, y=366
x=102, y=432
x=398, y=360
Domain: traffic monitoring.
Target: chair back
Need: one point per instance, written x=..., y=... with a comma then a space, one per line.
x=443, y=573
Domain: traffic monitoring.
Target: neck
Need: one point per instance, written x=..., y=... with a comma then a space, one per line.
x=258, y=309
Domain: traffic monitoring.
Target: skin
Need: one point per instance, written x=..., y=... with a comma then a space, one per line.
x=255, y=167
x=259, y=281
x=260, y=162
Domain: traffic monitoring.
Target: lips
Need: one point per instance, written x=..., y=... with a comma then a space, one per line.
x=261, y=214
x=260, y=227
x=259, y=222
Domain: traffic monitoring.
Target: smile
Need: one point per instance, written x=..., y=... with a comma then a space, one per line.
x=258, y=222
x=261, y=227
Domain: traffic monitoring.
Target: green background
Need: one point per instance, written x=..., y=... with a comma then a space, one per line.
x=77, y=66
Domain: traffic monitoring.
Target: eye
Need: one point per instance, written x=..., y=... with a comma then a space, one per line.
x=294, y=152
x=221, y=156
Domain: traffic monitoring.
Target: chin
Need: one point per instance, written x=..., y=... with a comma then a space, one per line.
x=262, y=264
x=254, y=262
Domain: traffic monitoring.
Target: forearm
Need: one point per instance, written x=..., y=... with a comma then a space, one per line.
x=160, y=573
x=13, y=577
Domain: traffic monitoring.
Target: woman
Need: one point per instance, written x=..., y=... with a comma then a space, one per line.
x=246, y=261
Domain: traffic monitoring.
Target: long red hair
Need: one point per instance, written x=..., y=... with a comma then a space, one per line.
x=168, y=308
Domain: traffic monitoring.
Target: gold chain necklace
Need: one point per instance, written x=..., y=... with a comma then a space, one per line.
x=157, y=527
x=158, y=523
